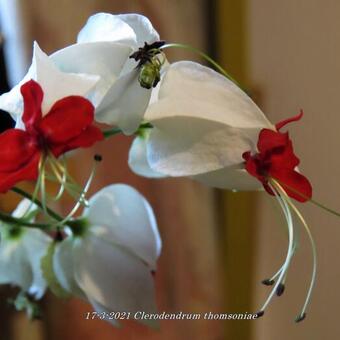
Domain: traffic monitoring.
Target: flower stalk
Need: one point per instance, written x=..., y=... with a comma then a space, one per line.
x=115, y=131
x=8, y=219
x=36, y=201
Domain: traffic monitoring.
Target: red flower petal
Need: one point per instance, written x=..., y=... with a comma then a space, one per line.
x=252, y=166
x=66, y=120
x=285, y=158
x=27, y=172
x=86, y=139
x=17, y=147
x=296, y=185
x=281, y=124
x=246, y=155
x=276, y=159
x=268, y=189
x=269, y=139
x=33, y=96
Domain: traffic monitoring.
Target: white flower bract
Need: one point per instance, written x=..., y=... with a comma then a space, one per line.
x=112, y=263
x=21, y=254
x=202, y=124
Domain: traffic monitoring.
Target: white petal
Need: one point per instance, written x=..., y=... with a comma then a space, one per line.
x=125, y=103
x=142, y=27
x=110, y=211
x=64, y=269
x=232, y=178
x=15, y=267
x=203, y=122
x=187, y=146
x=57, y=84
x=99, y=308
x=138, y=161
x=113, y=277
x=103, y=59
x=36, y=243
x=198, y=91
x=24, y=207
x=107, y=27
x=11, y=101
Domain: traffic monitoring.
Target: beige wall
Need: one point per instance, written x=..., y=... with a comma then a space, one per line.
x=294, y=49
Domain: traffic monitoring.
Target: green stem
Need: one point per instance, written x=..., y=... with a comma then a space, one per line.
x=206, y=57
x=318, y=204
x=37, y=202
x=111, y=132
x=22, y=223
x=116, y=130
x=325, y=208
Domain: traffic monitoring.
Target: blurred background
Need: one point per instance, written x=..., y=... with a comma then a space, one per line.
x=218, y=246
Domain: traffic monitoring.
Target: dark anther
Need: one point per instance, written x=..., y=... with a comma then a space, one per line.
x=300, y=318
x=280, y=289
x=58, y=236
x=98, y=158
x=147, y=52
x=268, y=282
x=259, y=314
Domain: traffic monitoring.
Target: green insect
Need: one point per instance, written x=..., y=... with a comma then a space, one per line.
x=149, y=75
x=149, y=63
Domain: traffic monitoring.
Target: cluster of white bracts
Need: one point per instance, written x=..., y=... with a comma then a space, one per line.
x=202, y=124
x=111, y=264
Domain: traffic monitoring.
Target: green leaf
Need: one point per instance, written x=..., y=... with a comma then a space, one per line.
x=49, y=274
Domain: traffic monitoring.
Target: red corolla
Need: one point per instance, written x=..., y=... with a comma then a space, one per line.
x=276, y=159
x=67, y=126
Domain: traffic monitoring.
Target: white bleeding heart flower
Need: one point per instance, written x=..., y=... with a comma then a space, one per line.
x=112, y=260
x=102, y=51
x=202, y=124
x=21, y=251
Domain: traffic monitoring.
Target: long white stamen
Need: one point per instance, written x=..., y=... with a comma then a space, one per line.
x=285, y=266
x=59, y=175
x=313, y=247
x=43, y=188
x=73, y=189
x=62, y=169
x=273, y=277
x=62, y=185
x=73, y=192
x=81, y=198
x=36, y=188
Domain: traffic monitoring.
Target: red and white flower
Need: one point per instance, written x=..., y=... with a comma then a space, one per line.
x=202, y=124
x=100, y=58
x=66, y=126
